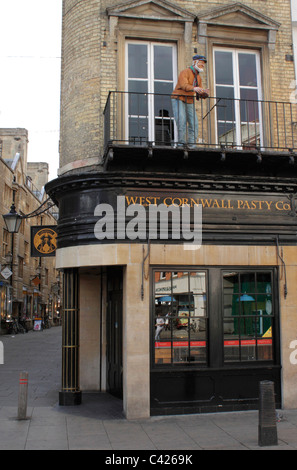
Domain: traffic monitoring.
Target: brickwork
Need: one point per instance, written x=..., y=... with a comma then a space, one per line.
x=15, y=177
x=90, y=68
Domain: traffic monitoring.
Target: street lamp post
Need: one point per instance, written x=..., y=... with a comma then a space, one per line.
x=12, y=220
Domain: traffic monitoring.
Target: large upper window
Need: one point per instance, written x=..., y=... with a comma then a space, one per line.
x=150, y=76
x=238, y=84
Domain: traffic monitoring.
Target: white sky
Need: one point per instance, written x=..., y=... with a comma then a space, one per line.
x=294, y=9
x=30, y=50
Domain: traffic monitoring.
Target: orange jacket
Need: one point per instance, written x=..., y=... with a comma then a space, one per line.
x=185, y=85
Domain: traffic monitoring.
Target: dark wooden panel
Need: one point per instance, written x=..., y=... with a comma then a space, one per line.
x=210, y=390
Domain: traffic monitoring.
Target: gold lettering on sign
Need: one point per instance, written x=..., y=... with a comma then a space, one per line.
x=211, y=203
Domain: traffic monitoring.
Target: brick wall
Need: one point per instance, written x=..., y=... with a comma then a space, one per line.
x=90, y=69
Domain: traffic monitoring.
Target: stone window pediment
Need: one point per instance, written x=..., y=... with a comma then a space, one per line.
x=151, y=10
x=237, y=15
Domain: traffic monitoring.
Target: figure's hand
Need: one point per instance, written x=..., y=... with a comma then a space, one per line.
x=198, y=90
x=203, y=93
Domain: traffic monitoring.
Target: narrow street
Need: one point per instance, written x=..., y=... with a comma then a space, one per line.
x=39, y=354
x=99, y=423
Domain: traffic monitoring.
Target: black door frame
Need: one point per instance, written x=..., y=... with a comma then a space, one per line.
x=114, y=332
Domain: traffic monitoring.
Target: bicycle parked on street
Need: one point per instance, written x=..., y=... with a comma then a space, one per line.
x=46, y=324
x=14, y=327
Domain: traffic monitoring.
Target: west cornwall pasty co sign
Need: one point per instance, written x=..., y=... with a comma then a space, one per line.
x=246, y=203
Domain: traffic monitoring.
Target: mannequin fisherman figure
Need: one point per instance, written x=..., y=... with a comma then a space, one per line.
x=188, y=85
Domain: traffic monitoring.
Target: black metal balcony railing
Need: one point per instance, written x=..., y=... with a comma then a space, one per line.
x=145, y=119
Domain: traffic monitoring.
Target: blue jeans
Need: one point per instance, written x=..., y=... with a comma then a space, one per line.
x=185, y=113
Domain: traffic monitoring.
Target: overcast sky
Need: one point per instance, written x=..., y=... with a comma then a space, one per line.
x=30, y=50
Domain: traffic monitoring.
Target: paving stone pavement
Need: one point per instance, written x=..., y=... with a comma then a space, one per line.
x=98, y=423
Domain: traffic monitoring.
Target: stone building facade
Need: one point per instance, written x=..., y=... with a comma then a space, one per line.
x=31, y=292
x=231, y=304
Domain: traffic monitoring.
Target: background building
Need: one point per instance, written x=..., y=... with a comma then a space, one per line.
x=33, y=289
x=230, y=306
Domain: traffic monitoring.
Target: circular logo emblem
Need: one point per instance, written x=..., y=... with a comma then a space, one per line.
x=45, y=241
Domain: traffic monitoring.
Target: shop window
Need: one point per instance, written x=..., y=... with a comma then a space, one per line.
x=180, y=318
x=215, y=317
x=248, y=316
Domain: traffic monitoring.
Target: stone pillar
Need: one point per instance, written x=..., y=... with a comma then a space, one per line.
x=136, y=350
x=70, y=393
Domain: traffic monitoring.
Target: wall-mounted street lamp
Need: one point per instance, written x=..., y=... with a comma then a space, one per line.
x=13, y=220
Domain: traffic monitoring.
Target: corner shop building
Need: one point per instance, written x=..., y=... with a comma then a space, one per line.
x=228, y=307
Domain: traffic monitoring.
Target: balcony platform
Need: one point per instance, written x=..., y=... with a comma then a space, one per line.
x=201, y=160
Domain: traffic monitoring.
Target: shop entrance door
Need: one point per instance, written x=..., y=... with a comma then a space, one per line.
x=114, y=327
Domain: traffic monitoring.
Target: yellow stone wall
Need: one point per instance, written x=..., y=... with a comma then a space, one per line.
x=93, y=62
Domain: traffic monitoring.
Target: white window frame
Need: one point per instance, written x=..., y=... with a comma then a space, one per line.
x=236, y=86
x=151, y=80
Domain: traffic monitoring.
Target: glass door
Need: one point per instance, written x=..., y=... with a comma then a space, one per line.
x=238, y=92
x=150, y=76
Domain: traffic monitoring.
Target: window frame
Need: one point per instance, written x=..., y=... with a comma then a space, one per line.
x=151, y=80
x=173, y=363
x=214, y=277
x=255, y=339
x=237, y=87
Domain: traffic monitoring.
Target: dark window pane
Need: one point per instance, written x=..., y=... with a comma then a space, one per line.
x=247, y=325
x=247, y=69
x=138, y=131
x=225, y=107
x=249, y=106
x=227, y=133
x=231, y=339
x=264, y=283
x=248, y=350
x=163, y=352
x=138, y=100
x=198, y=352
x=180, y=352
x=162, y=99
x=224, y=67
x=137, y=61
x=247, y=283
x=163, y=62
x=231, y=304
x=182, y=337
x=164, y=131
x=265, y=342
x=231, y=282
